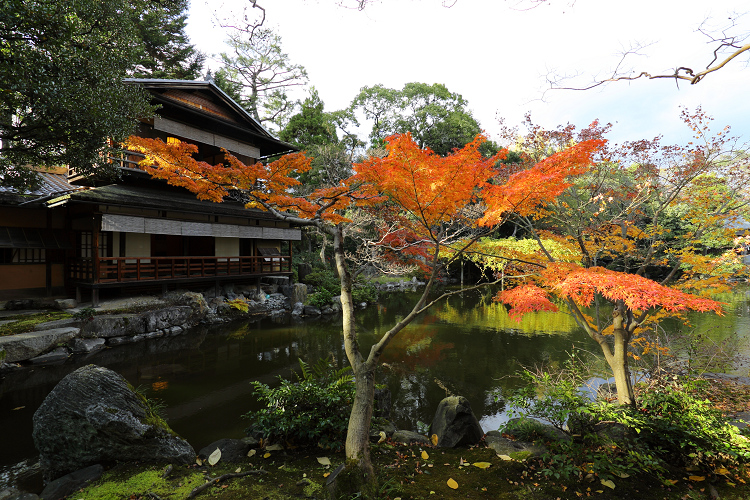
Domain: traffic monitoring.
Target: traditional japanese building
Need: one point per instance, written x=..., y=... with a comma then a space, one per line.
x=80, y=235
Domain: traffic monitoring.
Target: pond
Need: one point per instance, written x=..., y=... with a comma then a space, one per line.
x=466, y=345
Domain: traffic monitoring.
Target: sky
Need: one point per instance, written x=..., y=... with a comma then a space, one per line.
x=497, y=54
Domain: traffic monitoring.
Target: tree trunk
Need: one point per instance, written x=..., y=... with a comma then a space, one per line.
x=619, y=359
x=359, y=475
x=358, y=433
x=323, y=251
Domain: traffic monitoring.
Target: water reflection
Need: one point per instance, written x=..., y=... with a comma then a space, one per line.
x=466, y=346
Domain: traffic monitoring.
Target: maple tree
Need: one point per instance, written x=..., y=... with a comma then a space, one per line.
x=597, y=233
x=424, y=203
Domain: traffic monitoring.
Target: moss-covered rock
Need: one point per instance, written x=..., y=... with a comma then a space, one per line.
x=94, y=416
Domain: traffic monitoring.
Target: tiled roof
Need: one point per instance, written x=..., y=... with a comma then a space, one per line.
x=52, y=184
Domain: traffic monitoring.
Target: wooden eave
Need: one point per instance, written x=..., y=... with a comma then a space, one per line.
x=223, y=115
x=170, y=199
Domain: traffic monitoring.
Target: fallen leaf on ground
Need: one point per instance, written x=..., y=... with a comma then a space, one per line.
x=452, y=484
x=251, y=453
x=697, y=478
x=482, y=465
x=382, y=437
x=608, y=483
x=214, y=457
x=504, y=457
x=324, y=461
x=266, y=455
x=434, y=439
x=425, y=456
x=274, y=447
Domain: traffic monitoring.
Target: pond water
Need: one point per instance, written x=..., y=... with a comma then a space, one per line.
x=466, y=345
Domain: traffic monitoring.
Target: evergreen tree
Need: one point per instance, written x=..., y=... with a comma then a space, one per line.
x=311, y=126
x=63, y=99
x=167, y=52
x=262, y=74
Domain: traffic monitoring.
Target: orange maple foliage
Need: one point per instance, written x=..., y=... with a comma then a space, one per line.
x=524, y=299
x=265, y=185
x=569, y=281
x=527, y=191
x=636, y=292
x=428, y=189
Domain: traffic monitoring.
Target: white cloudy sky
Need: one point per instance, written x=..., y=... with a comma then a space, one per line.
x=497, y=56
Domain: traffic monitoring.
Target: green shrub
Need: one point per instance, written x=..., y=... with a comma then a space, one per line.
x=313, y=409
x=85, y=313
x=324, y=280
x=553, y=395
x=327, y=286
x=364, y=292
x=670, y=428
x=320, y=298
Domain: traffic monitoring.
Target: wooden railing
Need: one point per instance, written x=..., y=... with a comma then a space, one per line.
x=139, y=269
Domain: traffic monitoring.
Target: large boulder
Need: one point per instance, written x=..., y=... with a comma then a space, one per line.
x=455, y=423
x=93, y=416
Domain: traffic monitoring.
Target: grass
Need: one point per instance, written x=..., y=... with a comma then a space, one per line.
x=23, y=323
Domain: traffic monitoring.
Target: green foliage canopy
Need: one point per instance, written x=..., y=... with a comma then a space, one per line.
x=166, y=51
x=436, y=117
x=62, y=94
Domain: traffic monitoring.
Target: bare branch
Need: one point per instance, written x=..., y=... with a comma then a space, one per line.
x=726, y=48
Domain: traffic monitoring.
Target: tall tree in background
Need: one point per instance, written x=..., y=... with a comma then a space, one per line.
x=326, y=140
x=262, y=74
x=166, y=50
x=436, y=117
x=62, y=95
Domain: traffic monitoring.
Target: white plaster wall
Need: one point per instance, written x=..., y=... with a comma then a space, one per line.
x=227, y=247
x=138, y=245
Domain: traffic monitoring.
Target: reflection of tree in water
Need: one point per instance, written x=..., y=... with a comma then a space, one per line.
x=459, y=349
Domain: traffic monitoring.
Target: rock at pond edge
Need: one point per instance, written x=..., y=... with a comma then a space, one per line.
x=93, y=416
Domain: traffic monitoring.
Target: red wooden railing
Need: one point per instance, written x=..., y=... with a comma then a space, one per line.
x=136, y=269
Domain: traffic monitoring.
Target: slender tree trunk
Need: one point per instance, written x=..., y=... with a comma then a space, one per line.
x=323, y=251
x=359, y=475
x=358, y=433
x=619, y=359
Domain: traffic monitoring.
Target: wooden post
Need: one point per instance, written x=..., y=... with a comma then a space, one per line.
x=95, y=250
x=291, y=262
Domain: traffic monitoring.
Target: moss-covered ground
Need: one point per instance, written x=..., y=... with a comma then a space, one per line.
x=23, y=323
x=404, y=472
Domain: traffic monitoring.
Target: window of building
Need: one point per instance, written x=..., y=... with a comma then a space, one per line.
x=29, y=255
x=86, y=244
